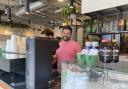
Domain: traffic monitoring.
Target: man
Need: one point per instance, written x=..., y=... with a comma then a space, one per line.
x=68, y=48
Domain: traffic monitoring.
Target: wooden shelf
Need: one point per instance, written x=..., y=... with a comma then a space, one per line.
x=123, y=31
x=77, y=25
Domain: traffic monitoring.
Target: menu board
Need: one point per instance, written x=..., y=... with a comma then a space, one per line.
x=96, y=5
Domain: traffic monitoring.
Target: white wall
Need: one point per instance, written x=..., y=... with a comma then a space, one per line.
x=95, y=5
x=57, y=32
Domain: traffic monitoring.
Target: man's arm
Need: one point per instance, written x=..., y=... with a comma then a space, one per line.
x=54, y=59
x=78, y=48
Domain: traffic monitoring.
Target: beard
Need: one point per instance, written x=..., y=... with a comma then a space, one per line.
x=66, y=38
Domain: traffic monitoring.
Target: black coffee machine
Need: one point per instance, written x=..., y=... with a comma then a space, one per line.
x=38, y=61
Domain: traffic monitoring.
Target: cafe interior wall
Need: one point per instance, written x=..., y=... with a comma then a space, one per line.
x=57, y=32
x=8, y=30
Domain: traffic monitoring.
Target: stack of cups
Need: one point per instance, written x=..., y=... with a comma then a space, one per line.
x=13, y=47
x=7, y=49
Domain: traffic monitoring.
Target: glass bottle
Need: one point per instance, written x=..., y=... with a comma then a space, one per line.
x=115, y=53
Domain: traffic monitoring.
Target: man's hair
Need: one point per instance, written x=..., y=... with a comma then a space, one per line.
x=67, y=27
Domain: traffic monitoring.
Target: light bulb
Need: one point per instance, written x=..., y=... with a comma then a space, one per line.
x=61, y=0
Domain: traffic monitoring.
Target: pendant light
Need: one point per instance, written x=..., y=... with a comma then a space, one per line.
x=8, y=13
x=0, y=16
x=27, y=7
x=71, y=2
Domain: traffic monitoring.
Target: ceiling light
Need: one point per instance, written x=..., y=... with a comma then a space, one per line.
x=71, y=7
x=27, y=13
x=37, y=11
x=59, y=10
x=61, y=0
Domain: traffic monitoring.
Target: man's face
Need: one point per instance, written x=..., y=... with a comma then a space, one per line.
x=66, y=34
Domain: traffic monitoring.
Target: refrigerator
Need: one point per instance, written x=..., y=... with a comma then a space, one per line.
x=38, y=61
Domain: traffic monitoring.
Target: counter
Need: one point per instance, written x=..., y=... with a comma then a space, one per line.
x=11, y=65
x=10, y=68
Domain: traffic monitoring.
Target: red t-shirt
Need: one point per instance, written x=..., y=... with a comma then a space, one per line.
x=67, y=52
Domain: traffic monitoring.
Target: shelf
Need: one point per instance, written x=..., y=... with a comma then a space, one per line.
x=107, y=33
x=77, y=25
x=123, y=31
x=103, y=33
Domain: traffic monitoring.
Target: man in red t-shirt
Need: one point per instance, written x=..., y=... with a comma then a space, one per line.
x=68, y=48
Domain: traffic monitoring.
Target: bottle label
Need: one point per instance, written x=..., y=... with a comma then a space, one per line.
x=115, y=51
x=106, y=51
x=115, y=55
x=106, y=55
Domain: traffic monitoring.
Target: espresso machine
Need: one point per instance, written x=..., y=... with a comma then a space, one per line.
x=38, y=61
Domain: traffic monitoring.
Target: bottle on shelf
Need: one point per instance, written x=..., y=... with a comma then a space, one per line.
x=121, y=24
x=127, y=25
x=106, y=52
x=115, y=52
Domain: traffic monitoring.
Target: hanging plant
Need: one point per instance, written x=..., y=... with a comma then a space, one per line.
x=68, y=10
x=66, y=21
